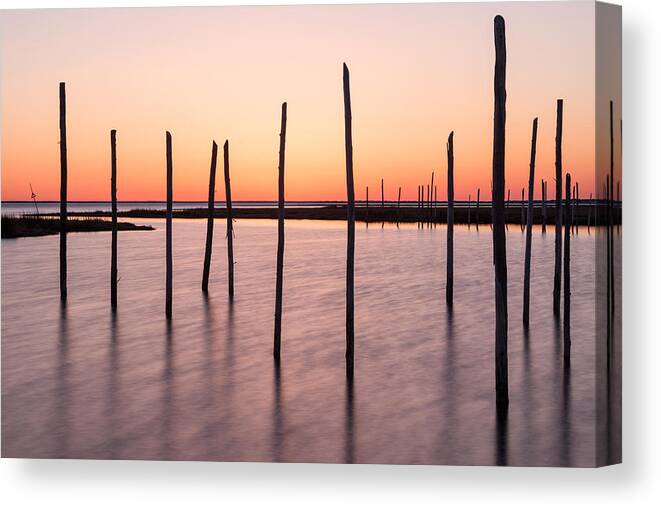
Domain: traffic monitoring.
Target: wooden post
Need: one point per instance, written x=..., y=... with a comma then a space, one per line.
x=590, y=212
x=435, y=207
x=367, y=204
x=567, y=278
x=210, y=216
x=168, y=227
x=113, y=199
x=230, y=221
x=531, y=193
x=431, y=196
x=449, y=286
x=63, y=193
x=610, y=212
x=382, y=194
x=498, y=214
x=558, y=209
x=351, y=235
x=281, y=234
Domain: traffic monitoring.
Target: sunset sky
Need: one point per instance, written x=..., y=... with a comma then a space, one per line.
x=417, y=72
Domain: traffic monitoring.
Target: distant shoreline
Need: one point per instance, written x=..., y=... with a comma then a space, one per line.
x=33, y=226
x=597, y=213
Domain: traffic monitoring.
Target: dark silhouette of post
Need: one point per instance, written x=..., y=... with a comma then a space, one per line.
x=113, y=200
x=523, y=209
x=610, y=213
x=557, y=271
x=230, y=221
x=431, y=196
x=367, y=204
x=567, y=279
x=449, y=286
x=589, y=211
x=351, y=217
x=469, y=211
x=281, y=234
x=168, y=227
x=498, y=213
x=531, y=193
x=210, y=215
x=63, y=193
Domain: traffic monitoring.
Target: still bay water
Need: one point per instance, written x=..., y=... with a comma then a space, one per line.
x=80, y=383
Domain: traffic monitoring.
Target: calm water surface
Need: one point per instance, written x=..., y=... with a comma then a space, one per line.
x=78, y=383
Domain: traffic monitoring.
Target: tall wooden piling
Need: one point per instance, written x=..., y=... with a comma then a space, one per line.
x=168, y=227
x=230, y=221
x=351, y=234
x=567, y=278
x=63, y=193
x=210, y=216
x=610, y=213
x=113, y=200
x=281, y=234
x=529, y=222
x=557, y=271
x=449, y=285
x=498, y=213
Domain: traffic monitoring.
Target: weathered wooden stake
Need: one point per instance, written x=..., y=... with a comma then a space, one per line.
x=610, y=212
x=431, y=196
x=469, y=211
x=567, y=278
x=557, y=272
x=168, y=227
x=498, y=214
x=523, y=209
x=113, y=199
x=351, y=234
x=449, y=286
x=230, y=221
x=63, y=193
x=382, y=194
x=477, y=210
x=531, y=193
x=590, y=212
x=210, y=215
x=367, y=204
x=281, y=234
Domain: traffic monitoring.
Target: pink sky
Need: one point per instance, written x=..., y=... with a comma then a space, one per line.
x=417, y=72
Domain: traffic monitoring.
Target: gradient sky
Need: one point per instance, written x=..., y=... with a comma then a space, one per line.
x=417, y=72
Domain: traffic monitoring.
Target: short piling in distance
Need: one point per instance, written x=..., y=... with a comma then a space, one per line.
x=351, y=218
x=477, y=210
x=523, y=208
x=544, y=207
x=469, y=211
x=168, y=227
x=281, y=235
x=529, y=222
x=210, y=214
x=63, y=193
x=566, y=318
x=498, y=215
x=113, y=200
x=557, y=271
x=449, y=285
x=367, y=205
x=230, y=221
x=399, y=198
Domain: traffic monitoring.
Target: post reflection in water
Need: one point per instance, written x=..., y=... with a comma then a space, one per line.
x=79, y=382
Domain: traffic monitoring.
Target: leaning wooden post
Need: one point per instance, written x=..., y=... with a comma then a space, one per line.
x=210, y=216
x=449, y=286
x=498, y=213
x=558, y=209
x=168, y=227
x=567, y=278
x=113, y=199
x=281, y=234
x=63, y=193
x=230, y=221
x=531, y=193
x=351, y=234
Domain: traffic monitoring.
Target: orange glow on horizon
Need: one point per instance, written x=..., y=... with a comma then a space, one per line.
x=417, y=72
